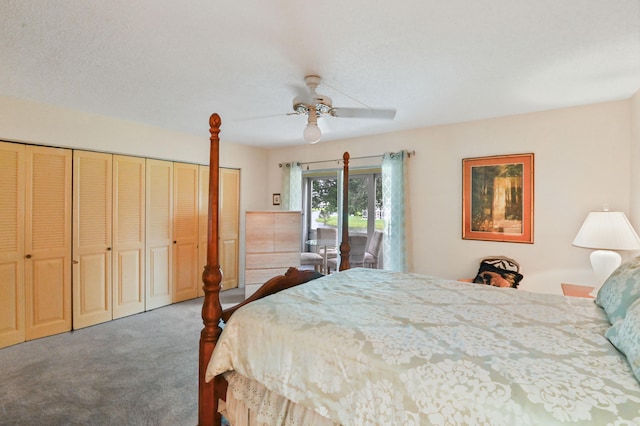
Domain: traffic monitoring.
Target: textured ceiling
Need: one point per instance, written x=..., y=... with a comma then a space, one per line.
x=172, y=63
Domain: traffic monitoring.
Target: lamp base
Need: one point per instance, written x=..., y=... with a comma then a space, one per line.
x=603, y=262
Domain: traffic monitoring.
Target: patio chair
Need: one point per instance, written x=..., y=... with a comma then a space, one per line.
x=358, y=245
x=374, y=248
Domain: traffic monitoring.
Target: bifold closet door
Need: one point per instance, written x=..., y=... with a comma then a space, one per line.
x=128, y=235
x=229, y=224
x=186, y=278
x=48, y=241
x=92, y=225
x=35, y=242
x=12, y=195
x=203, y=221
x=159, y=235
x=228, y=221
x=229, y=229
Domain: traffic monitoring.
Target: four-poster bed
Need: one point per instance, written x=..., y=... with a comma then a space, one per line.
x=378, y=347
x=210, y=393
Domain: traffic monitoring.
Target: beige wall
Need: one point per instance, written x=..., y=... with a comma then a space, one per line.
x=581, y=162
x=583, y=159
x=37, y=123
x=635, y=161
x=32, y=122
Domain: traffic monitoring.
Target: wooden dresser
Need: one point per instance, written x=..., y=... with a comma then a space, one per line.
x=272, y=245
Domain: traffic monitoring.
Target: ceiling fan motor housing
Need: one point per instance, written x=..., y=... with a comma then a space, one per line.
x=322, y=103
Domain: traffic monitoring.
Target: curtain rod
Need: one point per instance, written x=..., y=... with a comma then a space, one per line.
x=338, y=160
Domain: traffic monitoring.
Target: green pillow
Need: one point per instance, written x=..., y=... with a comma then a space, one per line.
x=620, y=290
x=625, y=335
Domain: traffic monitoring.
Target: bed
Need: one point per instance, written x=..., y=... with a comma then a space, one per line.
x=367, y=346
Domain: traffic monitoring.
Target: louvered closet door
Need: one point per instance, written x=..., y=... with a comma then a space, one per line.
x=12, y=293
x=229, y=229
x=128, y=235
x=185, y=232
x=48, y=241
x=203, y=220
x=229, y=224
x=159, y=212
x=92, y=220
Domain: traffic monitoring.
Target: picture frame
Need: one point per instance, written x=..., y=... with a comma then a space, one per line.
x=497, y=198
x=276, y=199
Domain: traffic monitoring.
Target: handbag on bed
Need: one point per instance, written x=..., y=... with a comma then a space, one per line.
x=499, y=271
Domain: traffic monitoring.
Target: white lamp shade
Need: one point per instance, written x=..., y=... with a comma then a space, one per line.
x=608, y=231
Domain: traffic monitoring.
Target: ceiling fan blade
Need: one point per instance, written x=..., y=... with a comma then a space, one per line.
x=387, y=114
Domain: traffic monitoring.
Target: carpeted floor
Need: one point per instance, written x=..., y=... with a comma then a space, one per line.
x=138, y=370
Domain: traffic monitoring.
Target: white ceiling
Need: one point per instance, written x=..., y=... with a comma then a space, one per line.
x=172, y=63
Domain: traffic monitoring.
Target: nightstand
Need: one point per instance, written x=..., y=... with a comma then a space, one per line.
x=577, y=290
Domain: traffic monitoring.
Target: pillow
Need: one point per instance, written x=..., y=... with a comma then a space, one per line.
x=491, y=275
x=625, y=336
x=620, y=290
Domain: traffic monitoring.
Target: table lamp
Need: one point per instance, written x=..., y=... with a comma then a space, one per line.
x=605, y=231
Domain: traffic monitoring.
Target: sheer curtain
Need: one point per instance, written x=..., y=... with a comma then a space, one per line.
x=396, y=247
x=291, y=197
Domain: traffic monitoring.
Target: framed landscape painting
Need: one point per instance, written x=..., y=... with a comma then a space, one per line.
x=497, y=198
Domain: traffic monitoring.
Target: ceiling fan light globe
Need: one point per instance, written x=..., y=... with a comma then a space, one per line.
x=312, y=133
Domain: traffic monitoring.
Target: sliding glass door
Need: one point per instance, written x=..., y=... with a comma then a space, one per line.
x=322, y=203
x=365, y=203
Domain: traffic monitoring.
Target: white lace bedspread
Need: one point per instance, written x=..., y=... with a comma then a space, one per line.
x=375, y=347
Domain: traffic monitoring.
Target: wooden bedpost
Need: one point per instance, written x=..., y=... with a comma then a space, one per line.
x=211, y=277
x=345, y=247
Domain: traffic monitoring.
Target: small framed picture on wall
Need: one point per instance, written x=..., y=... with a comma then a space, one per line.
x=276, y=199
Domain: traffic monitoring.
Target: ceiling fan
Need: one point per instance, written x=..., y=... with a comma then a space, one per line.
x=316, y=105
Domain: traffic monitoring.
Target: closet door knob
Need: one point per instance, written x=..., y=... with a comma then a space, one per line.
x=108, y=248
x=28, y=256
